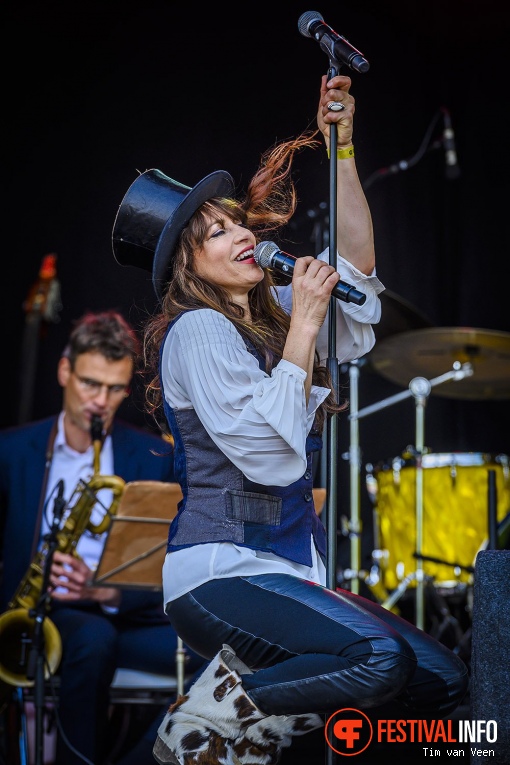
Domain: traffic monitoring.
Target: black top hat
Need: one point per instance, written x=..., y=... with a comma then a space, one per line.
x=152, y=215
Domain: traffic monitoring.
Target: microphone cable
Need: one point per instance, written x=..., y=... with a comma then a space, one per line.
x=405, y=164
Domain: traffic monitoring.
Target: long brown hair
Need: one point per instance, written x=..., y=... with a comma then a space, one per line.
x=268, y=205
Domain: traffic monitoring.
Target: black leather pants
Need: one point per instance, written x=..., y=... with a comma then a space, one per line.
x=314, y=650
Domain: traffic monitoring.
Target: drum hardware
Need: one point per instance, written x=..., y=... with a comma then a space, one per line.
x=380, y=558
x=354, y=470
x=420, y=389
x=457, y=567
x=397, y=316
x=400, y=590
x=492, y=500
x=181, y=657
x=503, y=533
x=488, y=351
x=375, y=583
x=425, y=352
x=371, y=579
x=455, y=513
x=344, y=526
x=452, y=612
x=445, y=626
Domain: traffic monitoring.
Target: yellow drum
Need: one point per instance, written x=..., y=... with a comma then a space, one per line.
x=455, y=513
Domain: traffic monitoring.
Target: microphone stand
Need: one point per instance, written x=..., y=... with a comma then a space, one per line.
x=333, y=368
x=36, y=658
x=332, y=365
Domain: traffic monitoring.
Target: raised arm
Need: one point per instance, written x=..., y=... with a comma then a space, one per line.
x=355, y=240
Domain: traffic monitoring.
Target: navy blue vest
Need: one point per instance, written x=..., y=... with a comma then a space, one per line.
x=221, y=505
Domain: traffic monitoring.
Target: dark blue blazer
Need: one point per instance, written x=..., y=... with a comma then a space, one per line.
x=23, y=457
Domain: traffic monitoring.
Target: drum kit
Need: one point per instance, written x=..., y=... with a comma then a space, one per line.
x=432, y=513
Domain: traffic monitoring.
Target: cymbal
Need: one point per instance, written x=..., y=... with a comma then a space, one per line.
x=432, y=352
x=398, y=315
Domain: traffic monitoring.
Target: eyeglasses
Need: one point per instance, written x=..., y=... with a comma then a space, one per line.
x=93, y=388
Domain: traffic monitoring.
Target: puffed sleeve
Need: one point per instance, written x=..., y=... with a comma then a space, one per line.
x=259, y=421
x=354, y=332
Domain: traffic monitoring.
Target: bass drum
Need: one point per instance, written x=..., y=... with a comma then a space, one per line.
x=455, y=514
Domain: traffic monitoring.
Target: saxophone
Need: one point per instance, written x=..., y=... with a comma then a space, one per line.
x=17, y=624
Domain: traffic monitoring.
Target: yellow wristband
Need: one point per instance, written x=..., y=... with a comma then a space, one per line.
x=343, y=153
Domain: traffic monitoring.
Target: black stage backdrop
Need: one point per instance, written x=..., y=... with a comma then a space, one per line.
x=95, y=92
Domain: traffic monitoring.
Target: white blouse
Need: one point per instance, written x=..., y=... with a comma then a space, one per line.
x=259, y=421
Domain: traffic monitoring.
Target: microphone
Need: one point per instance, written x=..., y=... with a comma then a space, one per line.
x=59, y=504
x=311, y=24
x=269, y=255
x=452, y=165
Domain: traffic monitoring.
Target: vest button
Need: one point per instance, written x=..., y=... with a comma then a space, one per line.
x=308, y=475
x=308, y=497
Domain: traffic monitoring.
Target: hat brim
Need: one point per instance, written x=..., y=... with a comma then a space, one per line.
x=217, y=184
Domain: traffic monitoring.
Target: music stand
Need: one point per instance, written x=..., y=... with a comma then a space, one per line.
x=135, y=548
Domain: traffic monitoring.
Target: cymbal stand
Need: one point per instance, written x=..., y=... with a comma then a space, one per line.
x=354, y=527
x=180, y=663
x=420, y=388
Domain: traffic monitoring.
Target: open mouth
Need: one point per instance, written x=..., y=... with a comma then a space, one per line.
x=246, y=255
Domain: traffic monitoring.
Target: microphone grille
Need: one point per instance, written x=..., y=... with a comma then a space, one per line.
x=306, y=19
x=264, y=252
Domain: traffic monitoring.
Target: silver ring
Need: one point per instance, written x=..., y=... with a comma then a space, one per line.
x=335, y=106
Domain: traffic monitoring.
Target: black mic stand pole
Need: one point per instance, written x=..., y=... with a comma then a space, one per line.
x=332, y=365
x=36, y=659
x=333, y=368
x=354, y=526
x=35, y=672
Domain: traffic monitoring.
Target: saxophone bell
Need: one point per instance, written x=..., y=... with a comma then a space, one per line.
x=17, y=631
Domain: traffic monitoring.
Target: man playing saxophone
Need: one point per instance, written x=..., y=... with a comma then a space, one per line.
x=101, y=628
